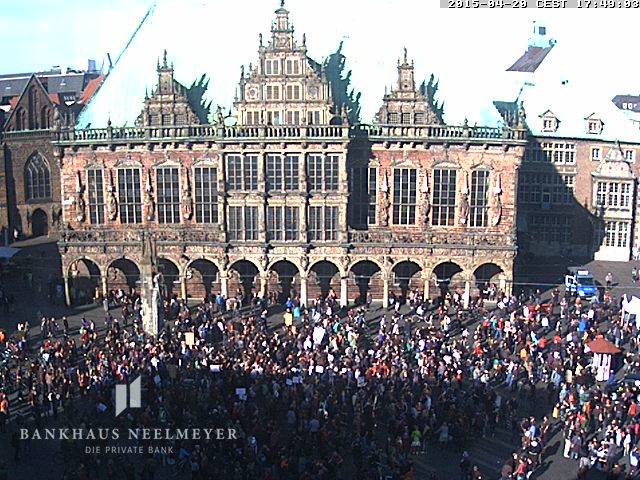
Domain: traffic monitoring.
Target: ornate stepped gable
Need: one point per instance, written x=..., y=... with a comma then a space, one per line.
x=168, y=104
x=407, y=105
x=285, y=87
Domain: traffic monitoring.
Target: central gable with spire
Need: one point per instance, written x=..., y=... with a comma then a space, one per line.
x=169, y=103
x=406, y=104
x=285, y=87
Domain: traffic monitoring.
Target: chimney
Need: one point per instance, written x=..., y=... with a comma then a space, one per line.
x=91, y=65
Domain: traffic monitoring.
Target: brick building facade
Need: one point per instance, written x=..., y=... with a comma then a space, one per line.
x=292, y=198
x=31, y=104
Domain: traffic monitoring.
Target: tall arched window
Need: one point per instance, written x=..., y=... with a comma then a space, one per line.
x=21, y=119
x=44, y=118
x=37, y=178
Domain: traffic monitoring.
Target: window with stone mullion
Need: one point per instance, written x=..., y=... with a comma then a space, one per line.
x=404, y=196
x=251, y=223
x=274, y=172
x=478, y=204
x=206, y=194
x=168, y=195
x=274, y=224
x=444, y=197
x=96, y=196
x=37, y=178
x=129, y=195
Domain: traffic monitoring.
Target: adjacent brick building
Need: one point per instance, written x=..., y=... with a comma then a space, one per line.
x=29, y=176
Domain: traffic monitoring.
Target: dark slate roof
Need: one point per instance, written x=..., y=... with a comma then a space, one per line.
x=618, y=100
x=530, y=60
x=65, y=84
x=11, y=87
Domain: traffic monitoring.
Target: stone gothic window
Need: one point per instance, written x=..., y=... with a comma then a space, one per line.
x=129, y=195
x=283, y=223
x=404, y=196
x=243, y=223
x=206, y=194
x=478, y=201
x=37, y=178
x=363, y=200
x=95, y=194
x=323, y=223
x=168, y=194
x=444, y=197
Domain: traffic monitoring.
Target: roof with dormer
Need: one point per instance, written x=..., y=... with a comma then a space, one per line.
x=574, y=107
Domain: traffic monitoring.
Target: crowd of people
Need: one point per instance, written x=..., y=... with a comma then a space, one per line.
x=337, y=393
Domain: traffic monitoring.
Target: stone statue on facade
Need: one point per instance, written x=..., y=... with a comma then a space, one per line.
x=187, y=204
x=345, y=260
x=495, y=207
x=148, y=253
x=304, y=262
x=149, y=206
x=426, y=204
x=79, y=200
x=112, y=204
x=385, y=202
x=223, y=261
x=463, y=208
x=264, y=261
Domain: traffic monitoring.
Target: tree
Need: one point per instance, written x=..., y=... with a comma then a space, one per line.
x=195, y=94
x=343, y=96
x=429, y=91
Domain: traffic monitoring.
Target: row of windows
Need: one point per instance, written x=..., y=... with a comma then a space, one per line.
x=546, y=189
x=405, y=197
x=406, y=118
x=283, y=223
x=613, y=195
x=283, y=172
x=291, y=92
x=289, y=117
x=205, y=183
x=616, y=234
x=274, y=67
x=596, y=154
x=558, y=153
x=550, y=229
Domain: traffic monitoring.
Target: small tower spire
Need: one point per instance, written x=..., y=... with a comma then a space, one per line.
x=164, y=59
x=405, y=55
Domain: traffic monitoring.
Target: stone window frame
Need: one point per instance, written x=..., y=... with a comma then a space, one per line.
x=37, y=178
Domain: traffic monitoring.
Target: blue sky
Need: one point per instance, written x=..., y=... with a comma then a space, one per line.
x=465, y=49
